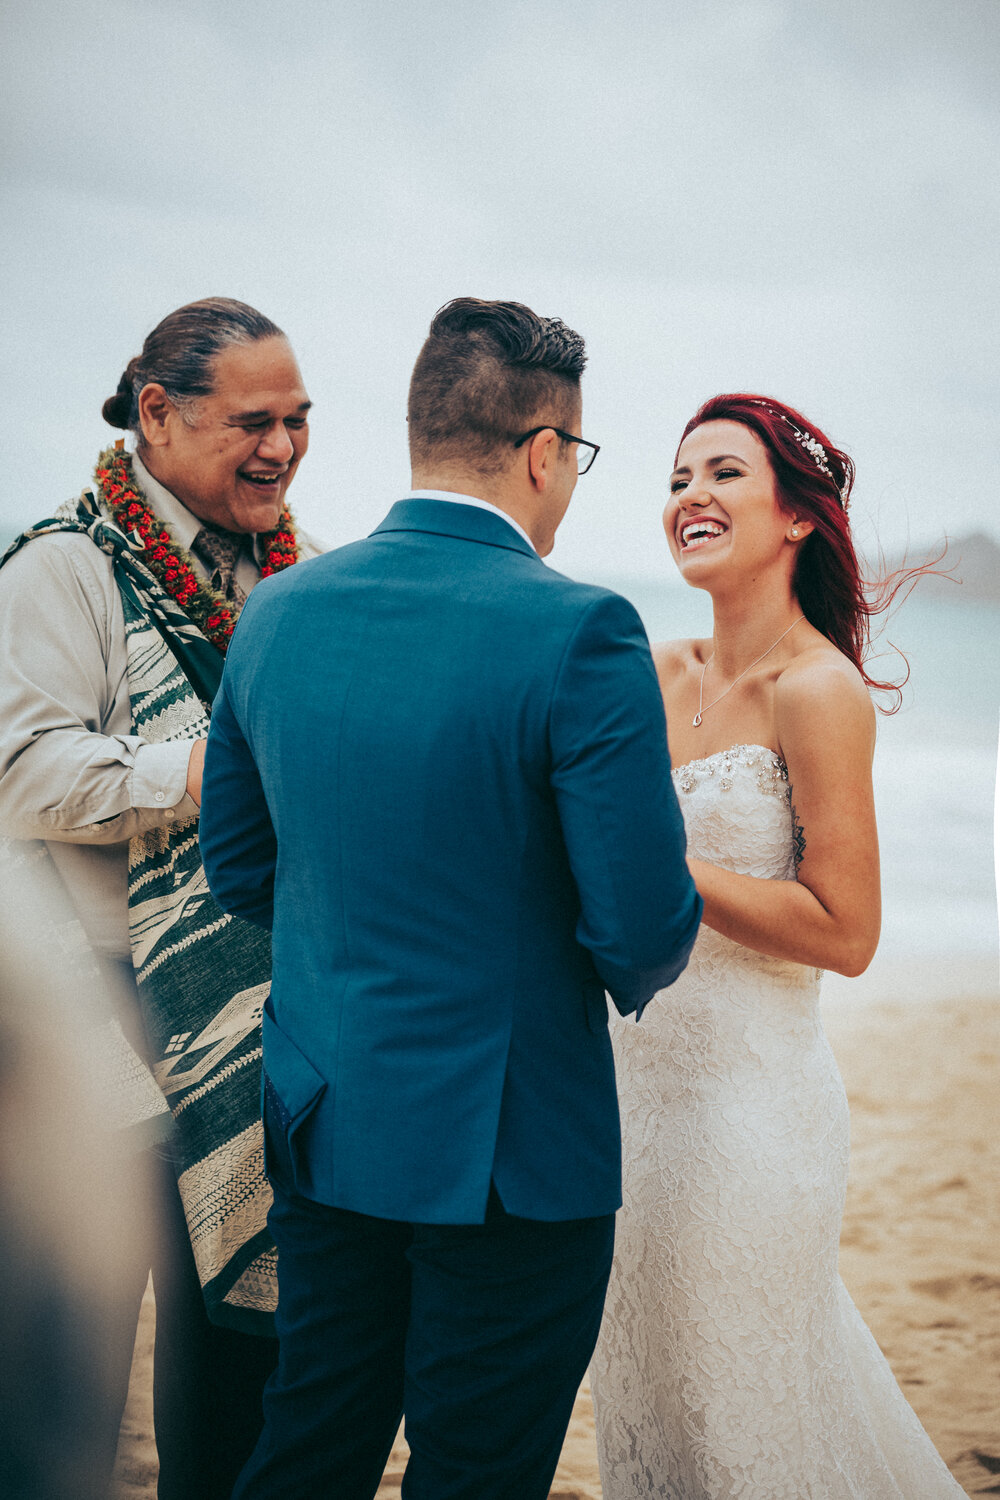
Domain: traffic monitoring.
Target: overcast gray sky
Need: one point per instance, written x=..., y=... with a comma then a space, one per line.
x=801, y=199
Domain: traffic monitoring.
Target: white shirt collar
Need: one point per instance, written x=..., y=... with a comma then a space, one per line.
x=471, y=500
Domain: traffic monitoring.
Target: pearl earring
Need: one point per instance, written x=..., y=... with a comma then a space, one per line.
x=795, y=531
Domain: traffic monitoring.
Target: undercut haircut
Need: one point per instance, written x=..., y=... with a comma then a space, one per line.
x=488, y=372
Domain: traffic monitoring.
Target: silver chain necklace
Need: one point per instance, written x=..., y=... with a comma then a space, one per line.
x=696, y=721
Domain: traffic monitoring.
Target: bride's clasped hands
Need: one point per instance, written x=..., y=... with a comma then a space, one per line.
x=732, y=1361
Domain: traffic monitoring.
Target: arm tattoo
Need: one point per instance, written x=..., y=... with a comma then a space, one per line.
x=798, y=837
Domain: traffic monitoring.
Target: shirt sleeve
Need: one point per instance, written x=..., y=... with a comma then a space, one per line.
x=69, y=770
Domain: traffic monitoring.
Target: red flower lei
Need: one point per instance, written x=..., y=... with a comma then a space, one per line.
x=205, y=606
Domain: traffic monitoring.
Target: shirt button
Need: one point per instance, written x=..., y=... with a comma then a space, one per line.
x=158, y=796
x=168, y=813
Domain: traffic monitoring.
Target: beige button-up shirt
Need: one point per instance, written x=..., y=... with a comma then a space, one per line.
x=70, y=771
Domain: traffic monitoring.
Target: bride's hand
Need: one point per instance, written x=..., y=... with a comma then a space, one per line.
x=831, y=914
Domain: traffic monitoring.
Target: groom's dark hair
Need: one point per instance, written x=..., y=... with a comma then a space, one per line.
x=488, y=372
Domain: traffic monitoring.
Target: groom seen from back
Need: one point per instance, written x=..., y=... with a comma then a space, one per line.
x=439, y=771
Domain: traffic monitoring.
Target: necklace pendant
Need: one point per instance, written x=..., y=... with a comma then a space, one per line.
x=696, y=721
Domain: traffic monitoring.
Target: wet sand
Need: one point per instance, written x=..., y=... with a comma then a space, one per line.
x=918, y=1248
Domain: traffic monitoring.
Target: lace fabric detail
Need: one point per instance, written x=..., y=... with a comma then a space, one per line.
x=732, y=1363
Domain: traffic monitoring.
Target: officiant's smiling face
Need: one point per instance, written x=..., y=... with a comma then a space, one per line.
x=232, y=460
x=724, y=511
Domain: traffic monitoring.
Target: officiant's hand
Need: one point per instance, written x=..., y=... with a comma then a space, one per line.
x=196, y=766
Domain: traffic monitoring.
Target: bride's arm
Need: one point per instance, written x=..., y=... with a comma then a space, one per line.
x=830, y=916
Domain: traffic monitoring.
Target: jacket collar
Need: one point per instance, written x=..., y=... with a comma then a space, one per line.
x=446, y=518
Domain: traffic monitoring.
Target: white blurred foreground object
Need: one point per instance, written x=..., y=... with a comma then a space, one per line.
x=73, y=1196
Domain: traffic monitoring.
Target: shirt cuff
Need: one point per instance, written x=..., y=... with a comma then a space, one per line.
x=159, y=779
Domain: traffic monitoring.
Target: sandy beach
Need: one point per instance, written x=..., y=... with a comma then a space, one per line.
x=917, y=1252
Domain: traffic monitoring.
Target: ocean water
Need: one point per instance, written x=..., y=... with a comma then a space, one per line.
x=935, y=785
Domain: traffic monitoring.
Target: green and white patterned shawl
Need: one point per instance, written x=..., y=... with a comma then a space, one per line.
x=202, y=976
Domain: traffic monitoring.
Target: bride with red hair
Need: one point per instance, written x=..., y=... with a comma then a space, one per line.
x=732, y=1361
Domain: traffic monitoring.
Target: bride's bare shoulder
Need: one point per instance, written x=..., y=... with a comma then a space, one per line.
x=821, y=668
x=674, y=658
x=822, y=691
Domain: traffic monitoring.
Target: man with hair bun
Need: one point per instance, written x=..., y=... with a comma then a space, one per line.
x=461, y=827
x=115, y=616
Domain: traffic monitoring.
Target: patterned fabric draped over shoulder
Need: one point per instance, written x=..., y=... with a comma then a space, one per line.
x=202, y=975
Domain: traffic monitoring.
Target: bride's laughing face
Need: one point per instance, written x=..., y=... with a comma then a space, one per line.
x=724, y=512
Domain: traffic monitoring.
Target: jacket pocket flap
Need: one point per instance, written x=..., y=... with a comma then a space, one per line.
x=292, y=1075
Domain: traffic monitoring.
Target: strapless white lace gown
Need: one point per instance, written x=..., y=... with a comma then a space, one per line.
x=732, y=1364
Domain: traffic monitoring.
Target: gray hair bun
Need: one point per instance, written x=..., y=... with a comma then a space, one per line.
x=117, y=410
x=180, y=356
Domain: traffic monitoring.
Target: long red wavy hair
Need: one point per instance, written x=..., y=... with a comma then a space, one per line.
x=832, y=592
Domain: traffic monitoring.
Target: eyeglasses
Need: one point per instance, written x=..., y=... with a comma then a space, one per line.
x=585, y=452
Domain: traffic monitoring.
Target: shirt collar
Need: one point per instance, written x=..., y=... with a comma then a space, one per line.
x=183, y=523
x=458, y=499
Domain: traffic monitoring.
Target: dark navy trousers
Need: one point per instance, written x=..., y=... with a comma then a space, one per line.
x=479, y=1333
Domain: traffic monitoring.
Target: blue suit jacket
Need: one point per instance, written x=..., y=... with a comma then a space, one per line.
x=439, y=771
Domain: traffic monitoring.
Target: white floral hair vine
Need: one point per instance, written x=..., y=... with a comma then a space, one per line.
x=817, y=453
x=811, y=444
